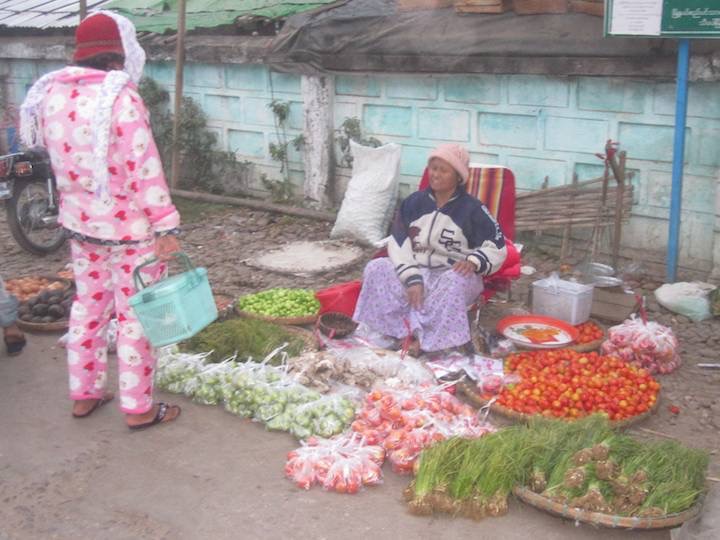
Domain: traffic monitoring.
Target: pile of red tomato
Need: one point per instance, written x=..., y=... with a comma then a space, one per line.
x=589, y=332
x=568, y=384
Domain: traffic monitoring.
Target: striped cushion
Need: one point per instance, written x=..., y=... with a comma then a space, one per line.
x=486, y=184
x=495, y=187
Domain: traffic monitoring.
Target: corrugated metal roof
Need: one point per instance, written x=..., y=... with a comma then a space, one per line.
x=148, y=15
x=43, y=14
x=157, y=16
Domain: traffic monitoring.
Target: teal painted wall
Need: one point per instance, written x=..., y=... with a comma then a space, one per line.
x=538, y=126
x=236, y=99
x=550, y=126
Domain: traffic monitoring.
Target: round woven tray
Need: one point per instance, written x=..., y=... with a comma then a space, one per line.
x=476, y=399
x=606, y=520
x=55, y=326
x=586, y=347
x=67, y=283
x=591, y=345
x=300, y=321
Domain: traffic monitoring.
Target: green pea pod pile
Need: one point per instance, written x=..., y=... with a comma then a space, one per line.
x=280, y=302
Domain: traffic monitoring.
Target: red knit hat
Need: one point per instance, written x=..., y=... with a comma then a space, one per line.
x=97, y=34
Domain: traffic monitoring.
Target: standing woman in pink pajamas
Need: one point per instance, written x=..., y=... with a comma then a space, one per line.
x=114, y=203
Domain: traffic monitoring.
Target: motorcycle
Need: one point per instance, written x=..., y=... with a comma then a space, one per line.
x=27, y=185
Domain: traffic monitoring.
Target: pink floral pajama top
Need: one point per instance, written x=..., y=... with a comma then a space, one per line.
x=136, y=203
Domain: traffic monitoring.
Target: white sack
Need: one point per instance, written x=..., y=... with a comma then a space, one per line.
x=689, y=299
x=369, y=201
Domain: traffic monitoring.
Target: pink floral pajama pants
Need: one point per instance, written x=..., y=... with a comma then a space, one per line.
x=104, y=281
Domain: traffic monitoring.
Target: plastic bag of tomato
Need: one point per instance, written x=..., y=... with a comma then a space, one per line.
x=568, y=384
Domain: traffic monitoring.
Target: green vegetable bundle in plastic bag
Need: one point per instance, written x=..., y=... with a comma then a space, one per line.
x=175, y=370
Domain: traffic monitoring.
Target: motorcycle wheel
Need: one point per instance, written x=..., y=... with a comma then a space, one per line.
x=25, y=212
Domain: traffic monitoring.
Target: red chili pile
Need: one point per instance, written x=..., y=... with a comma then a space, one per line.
x=567, y=384
x=589, y=332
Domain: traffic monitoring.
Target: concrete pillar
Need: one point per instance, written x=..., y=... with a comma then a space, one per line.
x=318, y=94
x=715, y=272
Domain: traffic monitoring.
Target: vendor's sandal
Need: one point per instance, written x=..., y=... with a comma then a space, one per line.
x=14, y=346
x=107, y=398
x=414, y=349
x=468, y=349
x=161, y=416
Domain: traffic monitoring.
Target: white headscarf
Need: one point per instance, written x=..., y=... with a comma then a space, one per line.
x=134, y=53
x=112, y=85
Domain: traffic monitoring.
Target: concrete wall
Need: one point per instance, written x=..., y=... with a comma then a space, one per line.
x=541, y=126
x=538, y=126
x=236, y=99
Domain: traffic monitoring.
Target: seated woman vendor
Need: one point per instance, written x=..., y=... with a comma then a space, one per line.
x=443, y=243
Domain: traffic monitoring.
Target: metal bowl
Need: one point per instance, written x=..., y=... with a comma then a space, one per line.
x=607, y=281
x=599, y=269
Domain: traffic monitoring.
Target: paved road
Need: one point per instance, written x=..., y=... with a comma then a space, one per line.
x=210, y=475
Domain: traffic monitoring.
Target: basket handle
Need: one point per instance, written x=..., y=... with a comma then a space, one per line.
x=137, y=279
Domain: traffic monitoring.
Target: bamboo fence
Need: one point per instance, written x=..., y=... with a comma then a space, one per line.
x=598, y=204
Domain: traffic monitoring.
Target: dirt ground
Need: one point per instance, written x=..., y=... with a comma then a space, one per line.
x=212, y=475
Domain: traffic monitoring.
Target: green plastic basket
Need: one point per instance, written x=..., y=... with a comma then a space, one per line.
x=175, y=308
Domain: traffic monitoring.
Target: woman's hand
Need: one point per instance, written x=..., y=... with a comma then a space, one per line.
x=165, y=246
x=415, y=295
x=464, y=268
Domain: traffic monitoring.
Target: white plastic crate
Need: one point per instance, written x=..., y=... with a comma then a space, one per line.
x=564, y=300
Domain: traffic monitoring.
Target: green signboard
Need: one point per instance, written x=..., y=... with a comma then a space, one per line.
x=663, y=18
x=691, y=18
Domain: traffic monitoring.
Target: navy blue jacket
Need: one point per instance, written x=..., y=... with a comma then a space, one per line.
x=424, y=235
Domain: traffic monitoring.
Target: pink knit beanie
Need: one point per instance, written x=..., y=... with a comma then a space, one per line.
x=456, y=156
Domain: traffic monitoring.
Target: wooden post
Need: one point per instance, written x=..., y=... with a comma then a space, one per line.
x=619, y=194
x=567, y=232
x=599, y=216
x=179, y=65
x=83, y=9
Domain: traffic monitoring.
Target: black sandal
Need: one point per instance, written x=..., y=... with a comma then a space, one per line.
x=160, y=415
x=14, y=346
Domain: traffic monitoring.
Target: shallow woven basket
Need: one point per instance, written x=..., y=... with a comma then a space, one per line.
x=55, y=326
x=476, y=399
x=309, y=319
x=336, y=325
x=606, y=520
x=65, y=281
x=591, y=345
x=586, y=347
x=311, y=343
